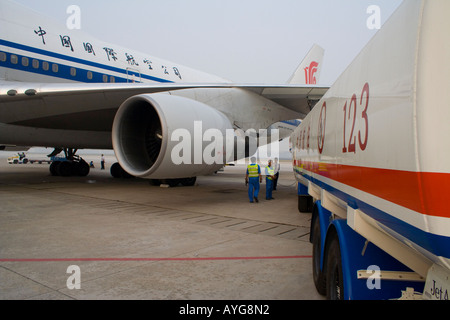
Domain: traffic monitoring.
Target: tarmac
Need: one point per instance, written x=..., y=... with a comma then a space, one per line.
x=100, y=238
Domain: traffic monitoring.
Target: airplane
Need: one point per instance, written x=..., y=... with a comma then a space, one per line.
x=66, y=90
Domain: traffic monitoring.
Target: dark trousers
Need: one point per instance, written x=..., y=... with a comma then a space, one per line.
x=275, y=182
x=269, y=188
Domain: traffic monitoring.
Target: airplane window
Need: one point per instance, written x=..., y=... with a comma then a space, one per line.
x=89, y=75
x=112, y=79
x=45, y=66
x=25, y=61
x=55, y=67
x=73, y=72
x=105, y=78
x=2, y=56
x=35, y=64
x=14, y=59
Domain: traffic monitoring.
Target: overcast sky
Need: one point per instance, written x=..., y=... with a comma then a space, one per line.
x=245, y=41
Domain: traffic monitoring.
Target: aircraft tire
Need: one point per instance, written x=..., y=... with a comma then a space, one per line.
x=53, y=168
x=155, y=182
x=171, y=182
x=116, y=170
x=64, y=169
x=188, y=182
x=81, y=168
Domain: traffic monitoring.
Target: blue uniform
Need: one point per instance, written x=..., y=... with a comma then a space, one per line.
x=253, y=172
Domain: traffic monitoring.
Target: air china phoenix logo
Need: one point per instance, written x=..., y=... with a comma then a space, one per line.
x=310, y=73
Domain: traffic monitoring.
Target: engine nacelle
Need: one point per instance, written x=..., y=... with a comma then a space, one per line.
x=161, y=136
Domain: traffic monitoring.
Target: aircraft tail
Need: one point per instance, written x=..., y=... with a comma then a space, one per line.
x=308, y=71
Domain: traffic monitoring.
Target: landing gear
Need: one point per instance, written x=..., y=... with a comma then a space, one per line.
x=72, y=165
x=187, y=182
x=119, y=173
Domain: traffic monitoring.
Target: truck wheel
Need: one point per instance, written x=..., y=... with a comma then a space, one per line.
x=334, y=277
x=318, y=275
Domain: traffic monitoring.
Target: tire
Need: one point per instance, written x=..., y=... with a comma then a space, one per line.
x=318, y=276
x=116, y=170
x=155, y=182
x=53, y=168
x=189, y=182
x=126, y=175
x=64, y=169
x=171, y=182
x=81, y=168
x=334, y=277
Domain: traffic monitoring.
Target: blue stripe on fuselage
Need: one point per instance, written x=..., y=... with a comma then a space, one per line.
x=64, y=74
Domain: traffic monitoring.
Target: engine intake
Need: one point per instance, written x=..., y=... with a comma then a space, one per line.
x=143, y=132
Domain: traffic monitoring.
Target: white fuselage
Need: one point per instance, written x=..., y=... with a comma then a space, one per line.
x=33, y=49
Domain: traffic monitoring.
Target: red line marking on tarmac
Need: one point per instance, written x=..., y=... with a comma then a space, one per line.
x=152, y=259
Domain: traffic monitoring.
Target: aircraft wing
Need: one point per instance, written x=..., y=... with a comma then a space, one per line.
x=299, y=98
x=292, y=96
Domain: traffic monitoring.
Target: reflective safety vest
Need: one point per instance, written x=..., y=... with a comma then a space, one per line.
x=253, y=171
x=270, y=172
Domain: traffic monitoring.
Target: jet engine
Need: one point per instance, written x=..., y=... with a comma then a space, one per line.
x=162, y=136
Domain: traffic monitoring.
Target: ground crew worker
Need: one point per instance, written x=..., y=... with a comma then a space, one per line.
x=102, y=162
x=270, y=177
x=276, y=168
x=253, y=179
